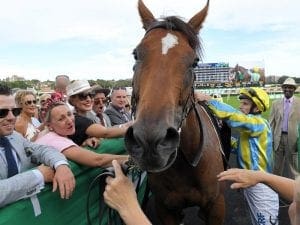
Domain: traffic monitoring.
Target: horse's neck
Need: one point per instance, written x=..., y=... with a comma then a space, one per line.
x=198, y=132
x=243, y=70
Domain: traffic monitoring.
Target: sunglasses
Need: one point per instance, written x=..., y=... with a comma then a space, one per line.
x=15, y=112
x=45, y=100
x=253, y=93
x=83, y=96
x=97, y=101
x=29, y=102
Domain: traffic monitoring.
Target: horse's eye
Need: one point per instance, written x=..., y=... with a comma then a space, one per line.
x=134, y=54
x=195, y=63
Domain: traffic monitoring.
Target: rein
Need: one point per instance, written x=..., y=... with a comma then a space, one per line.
x=129, y=168
x=188, y=105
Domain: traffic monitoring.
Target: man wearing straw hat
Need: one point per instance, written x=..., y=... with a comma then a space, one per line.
x=284, y=119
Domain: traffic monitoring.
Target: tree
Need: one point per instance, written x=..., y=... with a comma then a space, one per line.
x=282, y=79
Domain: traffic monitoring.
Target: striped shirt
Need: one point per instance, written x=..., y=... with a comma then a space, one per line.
x=253, y=134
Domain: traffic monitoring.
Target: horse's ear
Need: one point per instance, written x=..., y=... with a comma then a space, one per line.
x=197, y=20
x=145, y=14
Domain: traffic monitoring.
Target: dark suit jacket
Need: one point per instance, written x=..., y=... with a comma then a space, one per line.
x=115, y=116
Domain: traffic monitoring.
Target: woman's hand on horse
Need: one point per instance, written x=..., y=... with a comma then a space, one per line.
x=199, y=97
x=242, y=178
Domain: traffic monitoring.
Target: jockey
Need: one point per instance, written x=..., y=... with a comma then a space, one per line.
x=253, y=146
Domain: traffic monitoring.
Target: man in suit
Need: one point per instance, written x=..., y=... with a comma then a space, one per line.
x=18, y=157
x=116, y=110
x=284, y=119
x=100, y=101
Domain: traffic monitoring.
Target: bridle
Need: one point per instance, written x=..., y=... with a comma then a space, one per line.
x=189, y=102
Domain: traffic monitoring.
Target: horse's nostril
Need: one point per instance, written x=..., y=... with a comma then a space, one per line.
x=171, y=134
x=129, y=137
x=171, y=140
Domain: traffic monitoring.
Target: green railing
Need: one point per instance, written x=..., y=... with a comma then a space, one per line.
x=56, y=211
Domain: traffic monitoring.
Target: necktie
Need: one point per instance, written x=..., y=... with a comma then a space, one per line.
x=101, y=119
x=124, y=116
x=286, y=115
x=12, y=168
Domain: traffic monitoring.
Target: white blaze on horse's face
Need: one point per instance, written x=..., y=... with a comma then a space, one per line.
x=168, y=42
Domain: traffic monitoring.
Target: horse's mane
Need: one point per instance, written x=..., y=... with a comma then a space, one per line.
x=175, y=23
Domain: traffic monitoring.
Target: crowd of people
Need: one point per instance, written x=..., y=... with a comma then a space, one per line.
x=77, y=115
x=46, y=134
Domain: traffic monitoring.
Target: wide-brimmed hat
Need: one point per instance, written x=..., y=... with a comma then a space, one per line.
x=289, y=82
x=77, y=86
x=98, y=89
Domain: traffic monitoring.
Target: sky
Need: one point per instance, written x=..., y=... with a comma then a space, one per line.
x=94, y=39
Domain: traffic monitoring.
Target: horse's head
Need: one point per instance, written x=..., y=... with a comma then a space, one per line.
x=162, y=87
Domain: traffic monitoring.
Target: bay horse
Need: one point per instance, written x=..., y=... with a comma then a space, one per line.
x=173, y=138
x=242, y=74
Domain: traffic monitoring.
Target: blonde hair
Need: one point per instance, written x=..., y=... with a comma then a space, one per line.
x=44, y=97
x=20, y=95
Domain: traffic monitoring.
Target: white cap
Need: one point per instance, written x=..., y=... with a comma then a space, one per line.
x=290, y=81
x=77, y=86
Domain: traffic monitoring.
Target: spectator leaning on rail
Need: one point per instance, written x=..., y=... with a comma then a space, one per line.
x=18, y=156
x=60, y=123
x=253, y=147
x=284, y=120
x=80, y=96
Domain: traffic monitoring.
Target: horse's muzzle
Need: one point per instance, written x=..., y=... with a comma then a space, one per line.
x=153, y=150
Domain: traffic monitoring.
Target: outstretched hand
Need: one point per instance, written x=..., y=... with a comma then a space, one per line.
x=241, y=178
x=92, y=142
x=201, y=97
x=120, y=195
x=119, y=192
x=294, y=209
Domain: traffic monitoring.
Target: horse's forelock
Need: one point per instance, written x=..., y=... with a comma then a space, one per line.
x=175, y=23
